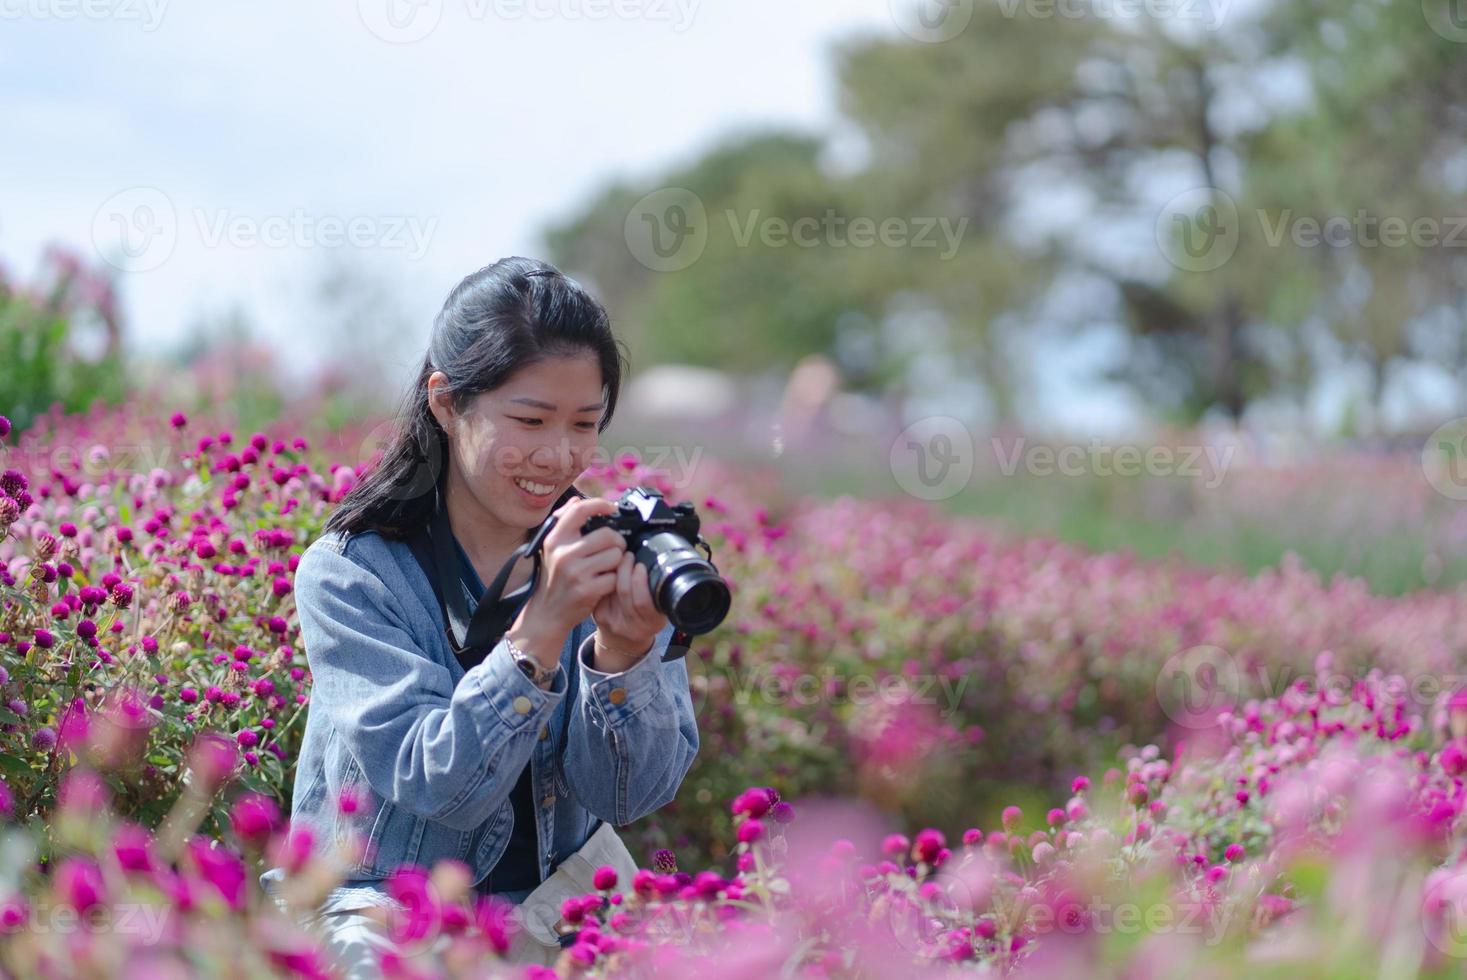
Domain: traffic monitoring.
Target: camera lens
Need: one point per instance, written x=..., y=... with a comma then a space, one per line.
x=698, y=600
x=685, y=587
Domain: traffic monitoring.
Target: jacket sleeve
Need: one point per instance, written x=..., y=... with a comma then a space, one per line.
x=445, y=752
x=632, y=736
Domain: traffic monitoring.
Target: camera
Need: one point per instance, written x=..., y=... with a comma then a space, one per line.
x=686, y=588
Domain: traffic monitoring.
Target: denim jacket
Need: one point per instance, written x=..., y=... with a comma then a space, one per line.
x=434, y=751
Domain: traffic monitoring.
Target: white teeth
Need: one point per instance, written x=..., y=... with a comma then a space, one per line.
x=539, y=489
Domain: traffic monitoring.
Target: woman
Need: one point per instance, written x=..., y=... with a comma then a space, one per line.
x=569, y=721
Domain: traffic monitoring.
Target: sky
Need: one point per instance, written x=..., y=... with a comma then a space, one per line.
x=218, y=153
x=234, y=143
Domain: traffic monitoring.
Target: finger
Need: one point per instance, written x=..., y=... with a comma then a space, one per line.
x=624, y=579
x=601, y=540
x=642, y=592
x=600, y=561
x=602, y=585
x=570, y=518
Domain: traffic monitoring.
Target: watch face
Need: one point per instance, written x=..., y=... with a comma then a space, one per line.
x=526, y=668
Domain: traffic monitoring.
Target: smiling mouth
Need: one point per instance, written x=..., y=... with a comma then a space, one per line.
x=537, y=489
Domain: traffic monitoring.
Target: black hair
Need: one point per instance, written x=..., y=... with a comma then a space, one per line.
x=495, y=322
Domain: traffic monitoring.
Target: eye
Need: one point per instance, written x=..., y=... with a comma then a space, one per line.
x=586, y=426
x=525, y=420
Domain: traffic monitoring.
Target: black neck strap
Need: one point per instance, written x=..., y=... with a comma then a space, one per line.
x=471, y=637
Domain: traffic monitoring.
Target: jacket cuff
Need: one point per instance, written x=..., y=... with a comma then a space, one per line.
x=514, y=697
x=623, y=694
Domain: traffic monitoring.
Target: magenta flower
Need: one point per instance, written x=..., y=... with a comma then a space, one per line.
x=221, y=869
x=929, y=844
x=254, y=817
x=79, y=883
x=132, y=845
x=605, y=878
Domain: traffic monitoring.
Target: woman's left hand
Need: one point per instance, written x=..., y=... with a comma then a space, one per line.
x=626, y=620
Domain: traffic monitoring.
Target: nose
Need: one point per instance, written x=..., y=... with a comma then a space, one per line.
x=554, y=457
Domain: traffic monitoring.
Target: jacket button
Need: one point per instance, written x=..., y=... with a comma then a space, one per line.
x=548, y=802
x=522, y=705
x=617, y=695
x=544, y=732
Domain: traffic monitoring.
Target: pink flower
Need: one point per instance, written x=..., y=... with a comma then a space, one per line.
x=221, y=869
x=750, y=830
x=1234, y=853
x=929, y=845
x=1011, y=816
x=605, y=878
x=254, y=817
x=79, y=883
x=132, y=845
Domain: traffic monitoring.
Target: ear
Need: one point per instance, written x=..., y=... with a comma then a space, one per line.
x=438, y=400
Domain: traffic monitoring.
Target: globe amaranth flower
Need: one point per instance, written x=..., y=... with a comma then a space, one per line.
x=254, y=817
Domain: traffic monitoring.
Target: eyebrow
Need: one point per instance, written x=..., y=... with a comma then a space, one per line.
x=536, y=403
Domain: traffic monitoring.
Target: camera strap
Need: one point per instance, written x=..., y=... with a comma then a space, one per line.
x=471, y=637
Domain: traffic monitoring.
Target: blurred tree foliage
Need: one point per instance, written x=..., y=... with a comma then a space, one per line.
x=61, y=340
x=1276, y=113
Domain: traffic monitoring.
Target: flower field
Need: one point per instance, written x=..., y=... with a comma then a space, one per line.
x=927, y=744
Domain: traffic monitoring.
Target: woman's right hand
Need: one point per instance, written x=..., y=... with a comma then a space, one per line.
x=576, y=571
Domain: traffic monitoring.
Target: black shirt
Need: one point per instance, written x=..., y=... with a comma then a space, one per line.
x=519, y=866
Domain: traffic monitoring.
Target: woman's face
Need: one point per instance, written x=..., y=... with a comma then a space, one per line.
x=518, y=447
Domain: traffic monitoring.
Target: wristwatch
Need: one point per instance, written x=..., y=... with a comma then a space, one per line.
x=539, y=675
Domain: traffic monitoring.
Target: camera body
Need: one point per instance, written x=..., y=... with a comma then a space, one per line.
x=663, y=537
